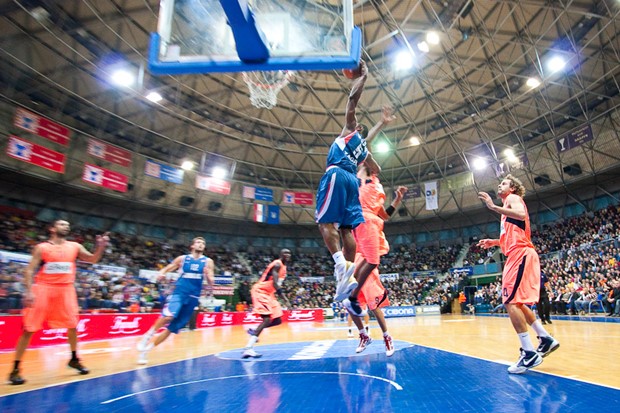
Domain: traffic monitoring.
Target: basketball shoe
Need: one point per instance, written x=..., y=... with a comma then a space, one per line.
x=547, y=346
x=249, y=352
x=75, y=364
x=15, y=378
x=527, y=360
x=389, y=346
x=365, y=340
x=142, y=358
x=346, y=280
x=354, y=308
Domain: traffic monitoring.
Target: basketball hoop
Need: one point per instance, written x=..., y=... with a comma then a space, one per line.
x=265, y=86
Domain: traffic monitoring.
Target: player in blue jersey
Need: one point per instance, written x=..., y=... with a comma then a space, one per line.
x=338, y=209
x=193, y=268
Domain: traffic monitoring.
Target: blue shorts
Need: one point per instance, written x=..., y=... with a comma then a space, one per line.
x=337, y=200
x=180, y=308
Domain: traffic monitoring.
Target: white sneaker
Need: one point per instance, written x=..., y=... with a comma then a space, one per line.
x=364, y=342
x=354, y=308
x=249, y=352
x=527, y=360
x=143, y=344
x=346, y=281
x=389, y=346
x=142, y=359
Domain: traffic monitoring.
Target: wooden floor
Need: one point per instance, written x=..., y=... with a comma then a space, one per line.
x=589, y=350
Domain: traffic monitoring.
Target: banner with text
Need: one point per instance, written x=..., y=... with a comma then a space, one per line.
x=163, y=172
x=574, y=139
x=404, y=311
x=258, y=193
x=41, y=126
x=104, y=177
x=109, y=269
x=298, y=198
x=319, y=280
x=109, y=152
x=211, y=184
x=34, y=154
x=393, y=276
x=468, y=271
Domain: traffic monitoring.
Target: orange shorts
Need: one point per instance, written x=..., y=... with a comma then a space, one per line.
x=370, y=239
x=521, y=277
x=373, y=294
x=56, y=304
x=266, y=304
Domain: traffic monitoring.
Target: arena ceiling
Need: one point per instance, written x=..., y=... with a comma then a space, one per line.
x=466, y=98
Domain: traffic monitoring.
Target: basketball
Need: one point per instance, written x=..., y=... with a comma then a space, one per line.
x=352, y=73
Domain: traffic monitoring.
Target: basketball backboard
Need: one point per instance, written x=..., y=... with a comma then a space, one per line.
x=202, y=36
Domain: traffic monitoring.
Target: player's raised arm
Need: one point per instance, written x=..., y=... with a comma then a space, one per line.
x=354, y=97
x=101, y=243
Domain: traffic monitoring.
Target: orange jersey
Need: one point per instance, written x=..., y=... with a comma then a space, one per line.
x=514, y=233
x=265, y=282
x=58, y=262
x=372, y=196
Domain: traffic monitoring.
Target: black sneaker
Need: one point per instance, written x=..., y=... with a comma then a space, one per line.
x=547, y=346
x=75, y=364
x=15, y=378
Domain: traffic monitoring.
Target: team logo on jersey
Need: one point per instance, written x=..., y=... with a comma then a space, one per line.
x=61, y=333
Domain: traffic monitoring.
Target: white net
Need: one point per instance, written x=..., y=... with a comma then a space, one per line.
x=265, y=86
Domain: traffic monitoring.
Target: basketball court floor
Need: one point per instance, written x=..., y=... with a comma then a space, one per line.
x=442, y=363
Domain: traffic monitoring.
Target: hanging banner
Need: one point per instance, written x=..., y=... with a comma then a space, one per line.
x=430, y=191
x=104, y=177
x=41, y=126
x=574, y=139
x=209, y=183
x=298, y=198
x=34, y=154
x=109, y=153
x=163, y=172
x=258, y=193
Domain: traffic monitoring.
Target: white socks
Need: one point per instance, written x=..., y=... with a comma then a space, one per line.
x=252, y=341
x=526, y=343
x=339, y=258
x=539, y=329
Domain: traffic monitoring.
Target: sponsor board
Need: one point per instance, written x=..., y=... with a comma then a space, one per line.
x=405, y=311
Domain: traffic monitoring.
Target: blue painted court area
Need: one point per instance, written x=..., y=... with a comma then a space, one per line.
x=322, y=376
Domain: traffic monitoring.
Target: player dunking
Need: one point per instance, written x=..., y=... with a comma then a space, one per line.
x=179, y=307
x=521, y=275
x=52, y=298
x=264, y=301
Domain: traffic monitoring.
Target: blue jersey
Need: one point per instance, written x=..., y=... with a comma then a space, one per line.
x=347, y=152
x=191, y=274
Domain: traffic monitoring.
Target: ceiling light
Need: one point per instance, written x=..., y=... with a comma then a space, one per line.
x=479, y=163
x=187, y=165
x=414, y=141
x=154, y=97
x=556, y=64
x=382, y=147
x=219, y=173
x=423, y=47
x=510, y=155
x=404, y=60
x=532, y=82
x=432, y=37
x=123, y=77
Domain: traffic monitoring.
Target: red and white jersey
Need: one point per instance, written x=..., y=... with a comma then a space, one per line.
x=514, y=233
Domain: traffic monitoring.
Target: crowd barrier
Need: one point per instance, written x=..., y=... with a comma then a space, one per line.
x=107, y=326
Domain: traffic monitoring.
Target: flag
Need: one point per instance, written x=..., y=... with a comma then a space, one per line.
x=41, y=126
x=249, y=191
x=297, y=198
x=430, y=190
x=273, y=214
x=209, y=183
x=104, y=177
x=259, y=213
x=109, y=153
x=35, y=154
